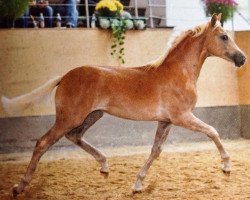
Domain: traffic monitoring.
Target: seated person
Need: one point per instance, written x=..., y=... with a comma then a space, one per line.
x=40, y=6
x=67, y=11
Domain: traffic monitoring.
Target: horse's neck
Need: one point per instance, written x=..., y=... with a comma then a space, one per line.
x=187, y=57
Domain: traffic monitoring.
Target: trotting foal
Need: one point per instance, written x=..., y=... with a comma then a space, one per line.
x=163, y=91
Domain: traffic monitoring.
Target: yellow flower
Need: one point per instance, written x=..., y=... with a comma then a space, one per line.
x=109, y=4
x=119, y=6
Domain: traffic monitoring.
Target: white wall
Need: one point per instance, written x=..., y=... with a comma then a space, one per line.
x=185, y=14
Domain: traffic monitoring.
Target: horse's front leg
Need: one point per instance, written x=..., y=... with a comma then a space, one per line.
x=160, y=137
x=189, y=121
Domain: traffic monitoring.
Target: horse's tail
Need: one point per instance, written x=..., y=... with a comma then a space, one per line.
x=20, y=103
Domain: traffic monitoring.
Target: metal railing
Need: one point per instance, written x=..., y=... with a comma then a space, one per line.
x=87, y=12
x=150, y=6
x=243, y=17
x=135, y=9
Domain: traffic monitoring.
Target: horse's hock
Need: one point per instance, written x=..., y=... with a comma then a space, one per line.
x=30, y=57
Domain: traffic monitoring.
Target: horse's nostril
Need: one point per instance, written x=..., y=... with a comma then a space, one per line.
x=244, y=58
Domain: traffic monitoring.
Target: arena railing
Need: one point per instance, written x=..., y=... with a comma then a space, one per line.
x=135, y=7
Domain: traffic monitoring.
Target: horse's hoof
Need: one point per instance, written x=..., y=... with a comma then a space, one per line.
x=104, y=174
x=227, y=170
x=104, y=171
x=136, y=189
x=104, y=168
x=14, y=191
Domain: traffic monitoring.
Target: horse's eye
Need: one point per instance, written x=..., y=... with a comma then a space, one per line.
x=224, y=37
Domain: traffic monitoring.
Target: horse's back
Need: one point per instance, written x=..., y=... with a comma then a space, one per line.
x=118, y=91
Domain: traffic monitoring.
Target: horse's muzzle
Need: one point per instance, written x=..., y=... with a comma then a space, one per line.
x=239, y=59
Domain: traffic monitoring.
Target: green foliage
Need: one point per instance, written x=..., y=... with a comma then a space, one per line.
x=12, y=9
x=109, y=14
x=118, y=32
x=227, y=11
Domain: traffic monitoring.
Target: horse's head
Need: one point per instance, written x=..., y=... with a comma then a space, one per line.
x=220, y=44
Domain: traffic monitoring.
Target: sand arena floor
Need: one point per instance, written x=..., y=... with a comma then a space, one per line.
x=183, y=171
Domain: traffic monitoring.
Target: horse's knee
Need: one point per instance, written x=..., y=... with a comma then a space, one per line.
x=212, y=133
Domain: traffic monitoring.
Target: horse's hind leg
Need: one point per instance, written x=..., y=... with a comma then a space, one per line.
x=42, y=145
x=76, y=137
x=161, y=135
x=189, y=121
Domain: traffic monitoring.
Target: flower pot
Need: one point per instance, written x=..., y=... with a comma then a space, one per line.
x=133, y=23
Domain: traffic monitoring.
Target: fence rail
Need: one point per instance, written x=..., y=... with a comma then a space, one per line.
x=135, y=7
x=149, y=7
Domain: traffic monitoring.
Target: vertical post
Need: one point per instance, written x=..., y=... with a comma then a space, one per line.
x=166, y=12
x=249, y=11
x=87, y=12
x=150, y=14
x=136, y=9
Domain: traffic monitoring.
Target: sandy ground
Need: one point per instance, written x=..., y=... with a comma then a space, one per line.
x=183, y=171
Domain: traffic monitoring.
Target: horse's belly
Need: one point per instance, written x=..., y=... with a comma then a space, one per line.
x=139, y=114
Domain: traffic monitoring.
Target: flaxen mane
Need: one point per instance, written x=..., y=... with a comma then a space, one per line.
x=195, y=32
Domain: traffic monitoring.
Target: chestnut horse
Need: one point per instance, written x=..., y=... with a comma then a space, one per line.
x=163, y=91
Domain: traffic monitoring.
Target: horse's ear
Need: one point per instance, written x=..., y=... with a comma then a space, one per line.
x=214, y=19
x=219, y=16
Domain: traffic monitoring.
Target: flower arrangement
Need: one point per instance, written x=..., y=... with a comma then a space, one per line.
x=109, y=8
x=111, y=15
x=225, y=7
x=108, y=12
